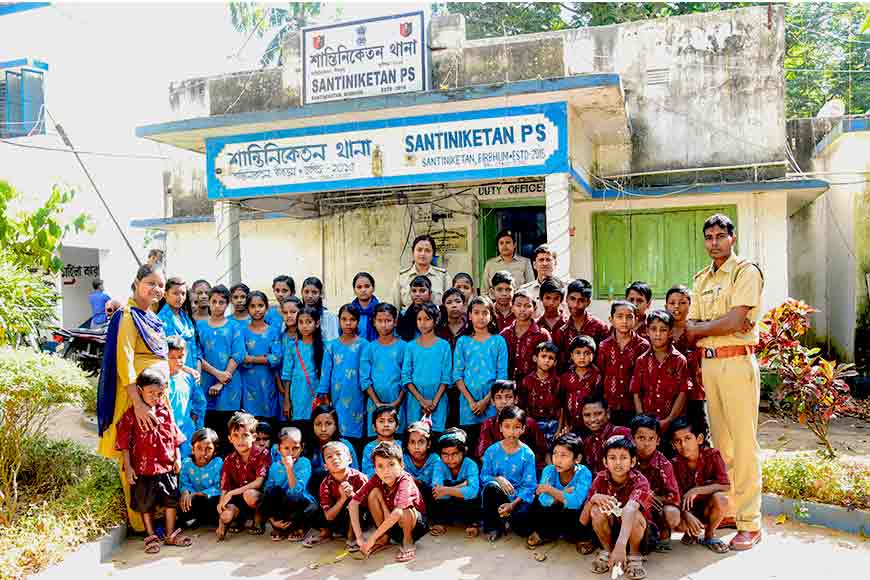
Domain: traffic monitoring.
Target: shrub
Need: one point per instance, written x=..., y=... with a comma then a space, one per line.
x=27, y=303
x=32, y=384
x=805, y=476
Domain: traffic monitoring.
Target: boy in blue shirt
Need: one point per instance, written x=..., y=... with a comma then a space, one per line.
x=98, y=300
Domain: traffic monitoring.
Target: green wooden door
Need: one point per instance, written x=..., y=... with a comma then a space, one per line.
x=611, y=251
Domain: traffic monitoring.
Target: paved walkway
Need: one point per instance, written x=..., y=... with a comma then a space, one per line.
x=790, y=551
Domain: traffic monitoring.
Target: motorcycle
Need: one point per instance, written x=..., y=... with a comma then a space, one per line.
x=83, y=345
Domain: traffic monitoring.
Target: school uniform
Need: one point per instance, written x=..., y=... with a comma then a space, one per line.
x=635, y=488
x=318, y=469
x=329, y=494
x=591, y=326
x=451, y=510
x=422, y=475
x=659, y=383
x=427, y=368
x=368, y=464
x=542, y=400
x=237, y=473
x=490, y=433
x=403, y=494
x=519, y=469
x=380, y=369
x=299, y=371
x=204, y=486
x=504, y=320
x=260, y=380
x=339, y=378
x=617, y=366
x=695, y=396
x=329, y=326
x=219, y=345
x=659, y=472
x=186, y=399
x=291, y=504
x=478, y=364
x=593, y=445
x=574, y=390
x=552, y=519
x=366, y=326
x=182, y=325
x=453, y=395
x=710, y=469
x=521, y=349
x=275, y=318
x=534, y=290
x=555, y=329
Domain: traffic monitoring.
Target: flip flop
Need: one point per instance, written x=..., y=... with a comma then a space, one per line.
x=438, y=530
x=178, y=540
x=312, y=539
x=152, y=544
x=404, y=555
x=714, y=545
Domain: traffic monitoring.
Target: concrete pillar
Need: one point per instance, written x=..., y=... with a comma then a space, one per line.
x=558, y=204
x=229, y=247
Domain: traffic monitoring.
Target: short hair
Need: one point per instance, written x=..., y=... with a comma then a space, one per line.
x=388, y=308
x=721, y=220
x=453, y=437
x=388, y=450
x=505, y=234
x=241, y=419
x=338, y=445
x=683, y=422
x=594, y=399
x=382, y=410
x=580, y=286
x=512, y=412
x=151, y=376
x=425, y=238
x=264, y=427
x=646, y=421
x=359, y=275
x=523, y=294
x=204, y=434
x=641, y=288
x=96, y=283
x=502, y=385
x=620, y=442
x=502, y=277
x=551, y=285
x=544, y=249
x=220, y=290
x=431, y=311
x=176, y=342
x=240, y=286
x=679, y=289
x=582, y=341
x=548, y=346
x=286, y=280
x=662, y=316
x=621, y=304
x=291, y=433
x=421, y=282
x=570, y=441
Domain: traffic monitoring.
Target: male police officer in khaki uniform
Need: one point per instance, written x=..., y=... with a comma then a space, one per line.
x=725, y=302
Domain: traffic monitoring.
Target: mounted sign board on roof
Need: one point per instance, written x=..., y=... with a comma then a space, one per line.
x=364, y=58
x=492, y=144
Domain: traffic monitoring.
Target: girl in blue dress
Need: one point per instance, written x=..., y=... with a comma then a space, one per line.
x=300, y=368
x=177, y=321
x=259, y=376
x=239, y=298
x=222, y=353
x=324, y=422
x=200, y=481
x=339, y=379
x=426, y=371
x=480, y=359
x=283, y=287
x=287, y=335
x=312, y=295
x=185, y=397
x=366, y=302
x=199, y=300
x=380, y=367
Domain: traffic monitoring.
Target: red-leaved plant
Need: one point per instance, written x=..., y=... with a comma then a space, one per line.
x=813, y=389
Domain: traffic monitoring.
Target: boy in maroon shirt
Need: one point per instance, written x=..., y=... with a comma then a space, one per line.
x=336, y=490
x=640, y=295
x=582, y=380
x=598, y=429
x=152, y=461
x=704, y=485
x=395, y=504
x=242, y=476
x=616, y=358
x=501, y=292
x=504, y=394
x=659, y=472
x=580, y=323
x=619, y=508
x=541, y=393
x=661, y=374
x=523, y=336
x=551, y=296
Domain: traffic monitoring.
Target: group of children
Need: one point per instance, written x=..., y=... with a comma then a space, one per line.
x=555, y=428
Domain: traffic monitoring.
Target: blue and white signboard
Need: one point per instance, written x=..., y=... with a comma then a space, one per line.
x=487, y=144
x=364, y=58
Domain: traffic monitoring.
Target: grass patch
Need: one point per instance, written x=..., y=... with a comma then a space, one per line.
x=89, y=397
x=70, y=496
x=807, y=476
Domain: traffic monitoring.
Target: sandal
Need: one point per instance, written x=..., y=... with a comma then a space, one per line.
x=257, y=530
x=634, y=569
x=601, y=563
x=586, y=547
x=534, y=541
x=493, y=536
x=352, y=547
x=296, y=536
x=472, y=532
x=152, y=544
x=715, y=545
x=688, y=539
x=408, y=555
x=438, y=530
x=663, y=546
x=312, y=539
x=177, y=540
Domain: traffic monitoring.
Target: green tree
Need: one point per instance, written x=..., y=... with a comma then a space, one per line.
x=486, y=19
x=254, y=18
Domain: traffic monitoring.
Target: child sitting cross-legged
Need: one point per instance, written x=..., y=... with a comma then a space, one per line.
x=242, y=477
x=395, y=505
x=507, y=478
x=385, y=420
x=337, y=488
x=619, y=510
x=201, y=480
x=286, y=501
x=704, y=485
x=152, y=460
x=561, y=493
x=455, y=486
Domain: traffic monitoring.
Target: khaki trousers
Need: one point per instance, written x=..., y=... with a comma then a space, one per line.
x=733, y=387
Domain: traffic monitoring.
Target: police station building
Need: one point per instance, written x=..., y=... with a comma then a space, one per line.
x=612, y=144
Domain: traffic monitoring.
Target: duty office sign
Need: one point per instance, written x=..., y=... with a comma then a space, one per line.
x=364, y=58
x=488, y=144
